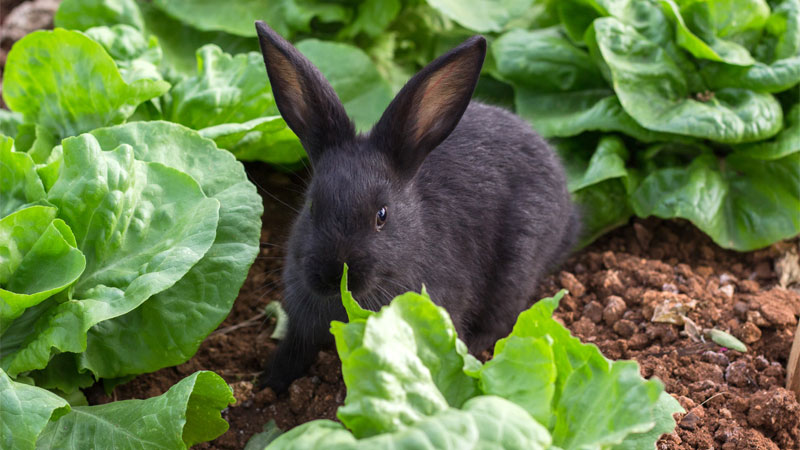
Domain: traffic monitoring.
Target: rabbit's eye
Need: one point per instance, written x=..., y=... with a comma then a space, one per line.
x=380, y=218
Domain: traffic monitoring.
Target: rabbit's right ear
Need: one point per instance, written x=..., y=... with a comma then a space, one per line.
x=429, y=106
x=304, y=97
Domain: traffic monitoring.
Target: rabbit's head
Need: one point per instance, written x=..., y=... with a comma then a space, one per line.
x=361, y=206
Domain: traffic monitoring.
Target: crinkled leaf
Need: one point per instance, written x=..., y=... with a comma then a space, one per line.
x=697, y=33
x=204, y=295
x=402, y=360
x=142, y=226
x=779, y=76
x=484, y=422
x=188, y=413
x=25, y=413
x=137, y=57
x=742, y=203
x=266, y=139
x=226, y=89
x=66, y=82
x=781, y=37
x=482, y=15
x=237, y=16
x=33, y=241
x=785, y=143
x=654, y=90
x=364, y=93
x=600, y=183
x=20, y=185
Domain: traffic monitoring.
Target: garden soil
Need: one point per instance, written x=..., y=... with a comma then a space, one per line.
x=629, y=292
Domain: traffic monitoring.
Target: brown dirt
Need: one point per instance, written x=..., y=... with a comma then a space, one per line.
x=734, y=401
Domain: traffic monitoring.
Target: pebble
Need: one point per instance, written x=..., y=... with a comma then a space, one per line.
x=625, y=328
x=717, y=358
x=748, y=333
x=615, y=308
x=692, y=419
x=727, y=290
x=739, y=374
x=570, y=283
x=593, y=311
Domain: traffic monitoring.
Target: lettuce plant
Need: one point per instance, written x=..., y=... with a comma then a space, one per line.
x=122, y=245
x=412, y=384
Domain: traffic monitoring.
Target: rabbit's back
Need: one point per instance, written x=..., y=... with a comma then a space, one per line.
x=498, y=215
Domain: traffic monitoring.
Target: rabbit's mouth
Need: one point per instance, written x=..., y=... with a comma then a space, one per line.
x=325, y=280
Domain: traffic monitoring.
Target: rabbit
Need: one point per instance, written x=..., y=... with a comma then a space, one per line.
x=460, y=196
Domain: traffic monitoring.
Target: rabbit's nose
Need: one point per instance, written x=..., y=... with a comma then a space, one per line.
x=325, y=275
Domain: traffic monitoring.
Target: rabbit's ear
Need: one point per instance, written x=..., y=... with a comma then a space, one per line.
x=304, y=97
x=429, y=106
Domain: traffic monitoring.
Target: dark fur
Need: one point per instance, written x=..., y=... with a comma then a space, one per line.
x=478, y=221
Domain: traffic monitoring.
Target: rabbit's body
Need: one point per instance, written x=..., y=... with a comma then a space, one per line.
x=475, y=209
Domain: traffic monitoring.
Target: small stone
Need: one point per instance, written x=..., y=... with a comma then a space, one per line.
x=638, y=341
x=570, y=283
x=669, y=287
x=760, y=362
x=727, y=290
x=612, y=284
x=704, y=271
x=756, y=318
x=593, y=311
x=749, y=286
x=265, y=397
x=300, y=393
x=725, y=413
x=739, y=374
x=692, y=419
x=609, y=260
x=748, y=333
x=625, y=328
x=776, y=312
x=726, y=278
x=242, y=390
x=615, y=308
x=717, y=358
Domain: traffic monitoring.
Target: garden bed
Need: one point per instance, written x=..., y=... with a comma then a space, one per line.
x=733, y=400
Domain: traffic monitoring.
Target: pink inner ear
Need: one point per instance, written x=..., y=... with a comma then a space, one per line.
x=441, y=90
x=286, y=76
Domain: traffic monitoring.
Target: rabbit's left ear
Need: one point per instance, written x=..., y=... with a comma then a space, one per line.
x=429, y=106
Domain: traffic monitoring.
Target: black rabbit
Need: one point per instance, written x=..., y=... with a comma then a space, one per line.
x=458, y=195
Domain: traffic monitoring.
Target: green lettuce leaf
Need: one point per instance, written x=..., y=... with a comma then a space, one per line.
x=654, y=90
x=20, y=185
x=484, y=422
x=84, y=14
x=266, y=139
x=698, y=33
x=67, y=83
x=32, y=239
x=142, y=226
x=226, y=89
x=482, y=15
x=205, y=294
x=372, y=18
x=187, y=414
x=238, y=16
x=741, y=202
x=779, y=76
x=784, y=144
x=137, y=58
x=411, y=352
x=26, y=412
x=9, y=123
